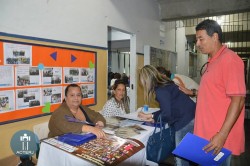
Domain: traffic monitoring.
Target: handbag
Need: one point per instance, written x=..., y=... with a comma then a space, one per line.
x=160, y=144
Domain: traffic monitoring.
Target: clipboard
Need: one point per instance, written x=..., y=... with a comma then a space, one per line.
x=191, y=148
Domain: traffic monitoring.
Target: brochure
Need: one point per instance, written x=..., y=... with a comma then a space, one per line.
x=108, y=151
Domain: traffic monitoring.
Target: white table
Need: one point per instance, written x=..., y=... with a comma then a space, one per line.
x=52, y=156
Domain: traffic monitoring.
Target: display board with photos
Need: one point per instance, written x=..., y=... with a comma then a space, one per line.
x=34, y=77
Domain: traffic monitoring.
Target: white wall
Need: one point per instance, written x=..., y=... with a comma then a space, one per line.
x=82, y=21
x=117, y=64
x=170, y=36
x=176, y=42
x=87, y=21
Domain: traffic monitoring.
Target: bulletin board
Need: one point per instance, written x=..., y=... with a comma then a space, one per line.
x=33, y=78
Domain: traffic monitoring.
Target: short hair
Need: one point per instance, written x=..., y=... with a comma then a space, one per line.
x=211, y=27
x=73, y=86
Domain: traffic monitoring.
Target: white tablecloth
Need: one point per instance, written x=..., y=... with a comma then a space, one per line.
x=52, y=156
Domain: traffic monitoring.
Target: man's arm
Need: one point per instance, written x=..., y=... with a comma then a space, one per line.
x=189, y=92
x=219, y=139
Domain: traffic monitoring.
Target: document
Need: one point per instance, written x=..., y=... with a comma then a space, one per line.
x=134, y=115
x=191, y=148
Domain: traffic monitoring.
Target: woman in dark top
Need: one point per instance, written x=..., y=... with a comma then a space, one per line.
x=176, y=108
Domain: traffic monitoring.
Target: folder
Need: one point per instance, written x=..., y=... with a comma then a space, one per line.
x=191, y=146
x=76, y=139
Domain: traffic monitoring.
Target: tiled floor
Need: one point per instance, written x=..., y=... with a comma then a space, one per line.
x=242, y=160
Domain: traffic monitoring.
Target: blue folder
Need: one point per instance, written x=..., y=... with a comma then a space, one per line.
x=191, y=148
x=76, y=139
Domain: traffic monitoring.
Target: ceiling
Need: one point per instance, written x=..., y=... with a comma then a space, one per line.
x=233, y=15
x=185, y=9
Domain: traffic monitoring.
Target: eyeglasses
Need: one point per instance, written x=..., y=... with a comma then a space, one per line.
x=203, y=68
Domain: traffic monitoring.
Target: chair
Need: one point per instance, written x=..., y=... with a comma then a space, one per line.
x=41, y=130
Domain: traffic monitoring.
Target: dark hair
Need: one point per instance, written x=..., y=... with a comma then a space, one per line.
x=117, y=82
x=125, y=100
x=125, y=79
x=73, y=86
x=211, y=27
x=162, y=70
x=117, y=76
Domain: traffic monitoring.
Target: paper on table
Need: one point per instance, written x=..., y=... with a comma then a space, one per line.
x=191, y=148
x=134, y=115
x=150, y=110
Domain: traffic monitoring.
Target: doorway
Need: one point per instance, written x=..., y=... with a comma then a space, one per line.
x=122, y=59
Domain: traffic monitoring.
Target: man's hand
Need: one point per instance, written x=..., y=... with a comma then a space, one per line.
x=186, y=91
x=216, y=143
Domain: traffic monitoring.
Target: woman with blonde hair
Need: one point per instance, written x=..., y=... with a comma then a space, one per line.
x=176, y=108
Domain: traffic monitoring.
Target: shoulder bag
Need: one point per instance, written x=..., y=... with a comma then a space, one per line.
x=160, y=144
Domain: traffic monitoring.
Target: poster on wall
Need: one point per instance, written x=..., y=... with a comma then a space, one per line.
x=52, y=75
x=71, y=75
x=26, y=98
x=7, y=102
x=27, y=76
x=52, y=95
x=87, y=75
x=17, y=54
x=32, y=77
x=7, y=76
x=87, y=90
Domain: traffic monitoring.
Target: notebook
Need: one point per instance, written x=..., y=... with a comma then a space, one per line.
x=191, y=148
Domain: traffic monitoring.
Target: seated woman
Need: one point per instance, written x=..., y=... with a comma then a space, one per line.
x=118, y=104
x=72, y=107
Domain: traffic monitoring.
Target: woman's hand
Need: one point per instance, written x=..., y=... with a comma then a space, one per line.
x=145, y=117
x=95, y=130
x=99, y=124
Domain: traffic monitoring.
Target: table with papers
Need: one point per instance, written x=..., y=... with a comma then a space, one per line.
x=50, y=155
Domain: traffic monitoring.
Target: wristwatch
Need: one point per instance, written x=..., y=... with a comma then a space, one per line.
x=194, y=92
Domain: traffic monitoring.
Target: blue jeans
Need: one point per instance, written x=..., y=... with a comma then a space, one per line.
x=178, y=137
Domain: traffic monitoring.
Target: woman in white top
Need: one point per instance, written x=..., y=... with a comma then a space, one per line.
x=118, y=104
